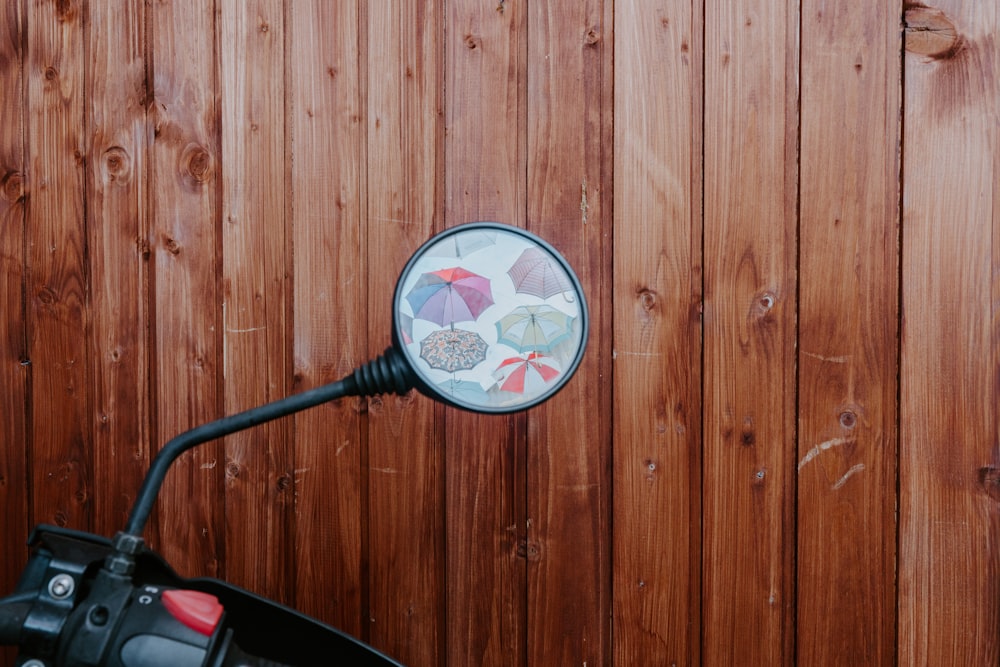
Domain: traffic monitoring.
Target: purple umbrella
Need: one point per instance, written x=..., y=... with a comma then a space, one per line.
x=450, y=295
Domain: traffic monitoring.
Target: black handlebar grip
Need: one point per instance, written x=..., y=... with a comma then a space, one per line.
x=13, y=613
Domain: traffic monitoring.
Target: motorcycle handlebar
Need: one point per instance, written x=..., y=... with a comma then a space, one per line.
x=13, y=613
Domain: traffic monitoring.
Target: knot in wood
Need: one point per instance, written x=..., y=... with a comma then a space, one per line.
x=117, y=165
x=67, y=10
x=929, y=32
x=47, y=296
x=12, y=186
x=647, y=299
x=284, y=482
x=989, y=479
x=472, y=42
x=196, y=164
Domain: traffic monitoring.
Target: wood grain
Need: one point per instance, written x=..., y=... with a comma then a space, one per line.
x=657, y=337
x=15, y=510
x=184, y=249
x=405, y=68
x=330, y=332
x=569, y=446
x=118, y=225
x=782, y=447
x=949, y=567
x=61, y=440
x=259, y=470
x=848, y=335
x=486, y=518
x=749, y=338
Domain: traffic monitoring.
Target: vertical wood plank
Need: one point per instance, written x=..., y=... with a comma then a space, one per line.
x=657, y=351
x=184, y=193
x=749, y=446
x=119, y=284
x=405, y=454
x=258, y=470
x=848, y=315
x=329, y=305
x=57, y=285
x=14, y=360
x=485, y=455
x=569, y=597
x=949, y=561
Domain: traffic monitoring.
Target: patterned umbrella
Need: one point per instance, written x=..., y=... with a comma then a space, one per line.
x=450, y=295
x=535, y=273
x=534, y=328
x=531, y=374
x=453, y=349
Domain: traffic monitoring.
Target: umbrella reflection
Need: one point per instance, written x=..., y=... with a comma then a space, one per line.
x=450, y=295
x=534, y=328
x=453, y=349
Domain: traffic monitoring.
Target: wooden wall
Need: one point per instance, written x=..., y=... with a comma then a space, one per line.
x=783, y=446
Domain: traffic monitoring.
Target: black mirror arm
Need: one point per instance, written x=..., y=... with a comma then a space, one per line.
x=384, y=375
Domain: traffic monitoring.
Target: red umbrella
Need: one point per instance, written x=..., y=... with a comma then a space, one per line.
x=530, y=374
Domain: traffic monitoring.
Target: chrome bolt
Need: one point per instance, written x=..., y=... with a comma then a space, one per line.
x=61, y=586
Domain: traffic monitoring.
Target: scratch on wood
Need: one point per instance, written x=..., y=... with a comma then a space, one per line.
x=856, y=468
x=625, y=353
x=400, y=221
x=836, y=360
x=584, y=206
x=822, y=447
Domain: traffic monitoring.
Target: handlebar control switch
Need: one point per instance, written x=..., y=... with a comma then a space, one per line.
x=199, y=611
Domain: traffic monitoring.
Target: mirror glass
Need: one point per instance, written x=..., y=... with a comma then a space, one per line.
x=490, y=317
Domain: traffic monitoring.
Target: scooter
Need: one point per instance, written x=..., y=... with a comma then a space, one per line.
x=487, y=318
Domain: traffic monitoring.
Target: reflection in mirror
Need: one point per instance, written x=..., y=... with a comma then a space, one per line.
x=490, y=317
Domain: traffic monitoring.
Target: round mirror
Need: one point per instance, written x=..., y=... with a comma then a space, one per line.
x=490, y=317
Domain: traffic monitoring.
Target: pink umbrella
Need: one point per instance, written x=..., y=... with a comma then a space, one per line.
x=536, y=274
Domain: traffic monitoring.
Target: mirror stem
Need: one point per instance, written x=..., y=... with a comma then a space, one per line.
x=383, y=375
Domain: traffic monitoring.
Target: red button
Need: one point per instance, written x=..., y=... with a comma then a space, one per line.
x=199, y=611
